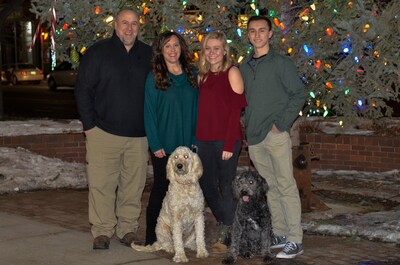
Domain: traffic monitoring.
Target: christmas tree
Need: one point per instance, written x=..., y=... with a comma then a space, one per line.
x=346, y=52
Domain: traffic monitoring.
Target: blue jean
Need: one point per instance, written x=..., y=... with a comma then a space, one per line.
x=217, y=178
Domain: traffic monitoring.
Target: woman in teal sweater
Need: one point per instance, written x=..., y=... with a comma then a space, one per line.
x=170, y=112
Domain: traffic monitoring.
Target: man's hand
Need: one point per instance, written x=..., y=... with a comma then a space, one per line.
x=275, y=130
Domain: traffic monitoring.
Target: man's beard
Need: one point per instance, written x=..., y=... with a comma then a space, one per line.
x=129, y=42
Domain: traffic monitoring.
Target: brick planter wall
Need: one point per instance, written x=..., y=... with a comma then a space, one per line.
x=336, y=152
x=68, y=147
x=354, y=152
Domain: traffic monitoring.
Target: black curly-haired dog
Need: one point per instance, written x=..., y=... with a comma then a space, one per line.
x=251, y=230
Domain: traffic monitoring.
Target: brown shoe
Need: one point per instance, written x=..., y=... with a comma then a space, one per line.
x=219, y=247
x=128, y=239
x=101, y=242
x=223, y=239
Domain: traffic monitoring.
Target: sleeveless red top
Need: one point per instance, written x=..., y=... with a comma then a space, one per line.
x=219, y=111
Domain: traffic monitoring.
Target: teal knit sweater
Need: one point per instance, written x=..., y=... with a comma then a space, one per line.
x=170, y=116
x=274, y=93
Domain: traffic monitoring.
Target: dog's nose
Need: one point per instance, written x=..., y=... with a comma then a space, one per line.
x=179, y=166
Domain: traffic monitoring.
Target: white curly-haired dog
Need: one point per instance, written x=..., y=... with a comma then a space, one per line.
x=181, y=220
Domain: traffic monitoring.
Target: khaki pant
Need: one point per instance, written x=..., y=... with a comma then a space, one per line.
x=117, y=168
x=273, y=160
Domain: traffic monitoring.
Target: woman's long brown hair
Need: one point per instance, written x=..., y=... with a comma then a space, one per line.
x=159, y=66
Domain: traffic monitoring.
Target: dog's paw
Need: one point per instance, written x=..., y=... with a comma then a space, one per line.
x=228, y=261
x=267, y=259
x=169, y=249
x=247, y=255
x=202, y=254
x=180, y=257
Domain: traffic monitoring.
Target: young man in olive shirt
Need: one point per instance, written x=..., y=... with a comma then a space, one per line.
x=275, y=95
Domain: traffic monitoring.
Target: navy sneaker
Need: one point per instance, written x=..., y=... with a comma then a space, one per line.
x=278, y=242
x=290, y=251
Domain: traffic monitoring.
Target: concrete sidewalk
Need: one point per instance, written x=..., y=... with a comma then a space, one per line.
x=24, y=241
x=51, y=228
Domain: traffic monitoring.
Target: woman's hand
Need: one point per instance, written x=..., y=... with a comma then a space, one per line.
x=160, y=153
x=226, y=155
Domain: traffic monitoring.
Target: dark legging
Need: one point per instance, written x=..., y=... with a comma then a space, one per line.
x=216, y=181
x=158, y=191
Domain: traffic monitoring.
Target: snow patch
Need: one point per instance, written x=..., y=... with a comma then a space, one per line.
x=22, y=170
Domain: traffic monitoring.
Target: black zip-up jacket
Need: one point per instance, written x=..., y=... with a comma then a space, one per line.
x=109, y=90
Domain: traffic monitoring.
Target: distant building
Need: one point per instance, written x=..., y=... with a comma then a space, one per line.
x=16, y=37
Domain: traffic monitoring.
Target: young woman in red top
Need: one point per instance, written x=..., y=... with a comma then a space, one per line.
x=218, y=134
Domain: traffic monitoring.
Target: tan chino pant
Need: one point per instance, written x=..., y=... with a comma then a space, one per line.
x=116, y=169
x=273, y=160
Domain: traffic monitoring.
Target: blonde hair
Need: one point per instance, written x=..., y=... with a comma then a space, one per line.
x=204, y=66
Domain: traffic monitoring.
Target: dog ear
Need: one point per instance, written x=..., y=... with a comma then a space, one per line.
x=235, y=189
x=170, y=167
x=196, y=165
x=264, y=184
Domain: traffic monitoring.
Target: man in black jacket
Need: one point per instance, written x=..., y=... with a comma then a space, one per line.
x=110, y=98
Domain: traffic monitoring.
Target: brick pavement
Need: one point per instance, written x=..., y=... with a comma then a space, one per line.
x=68, y=209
